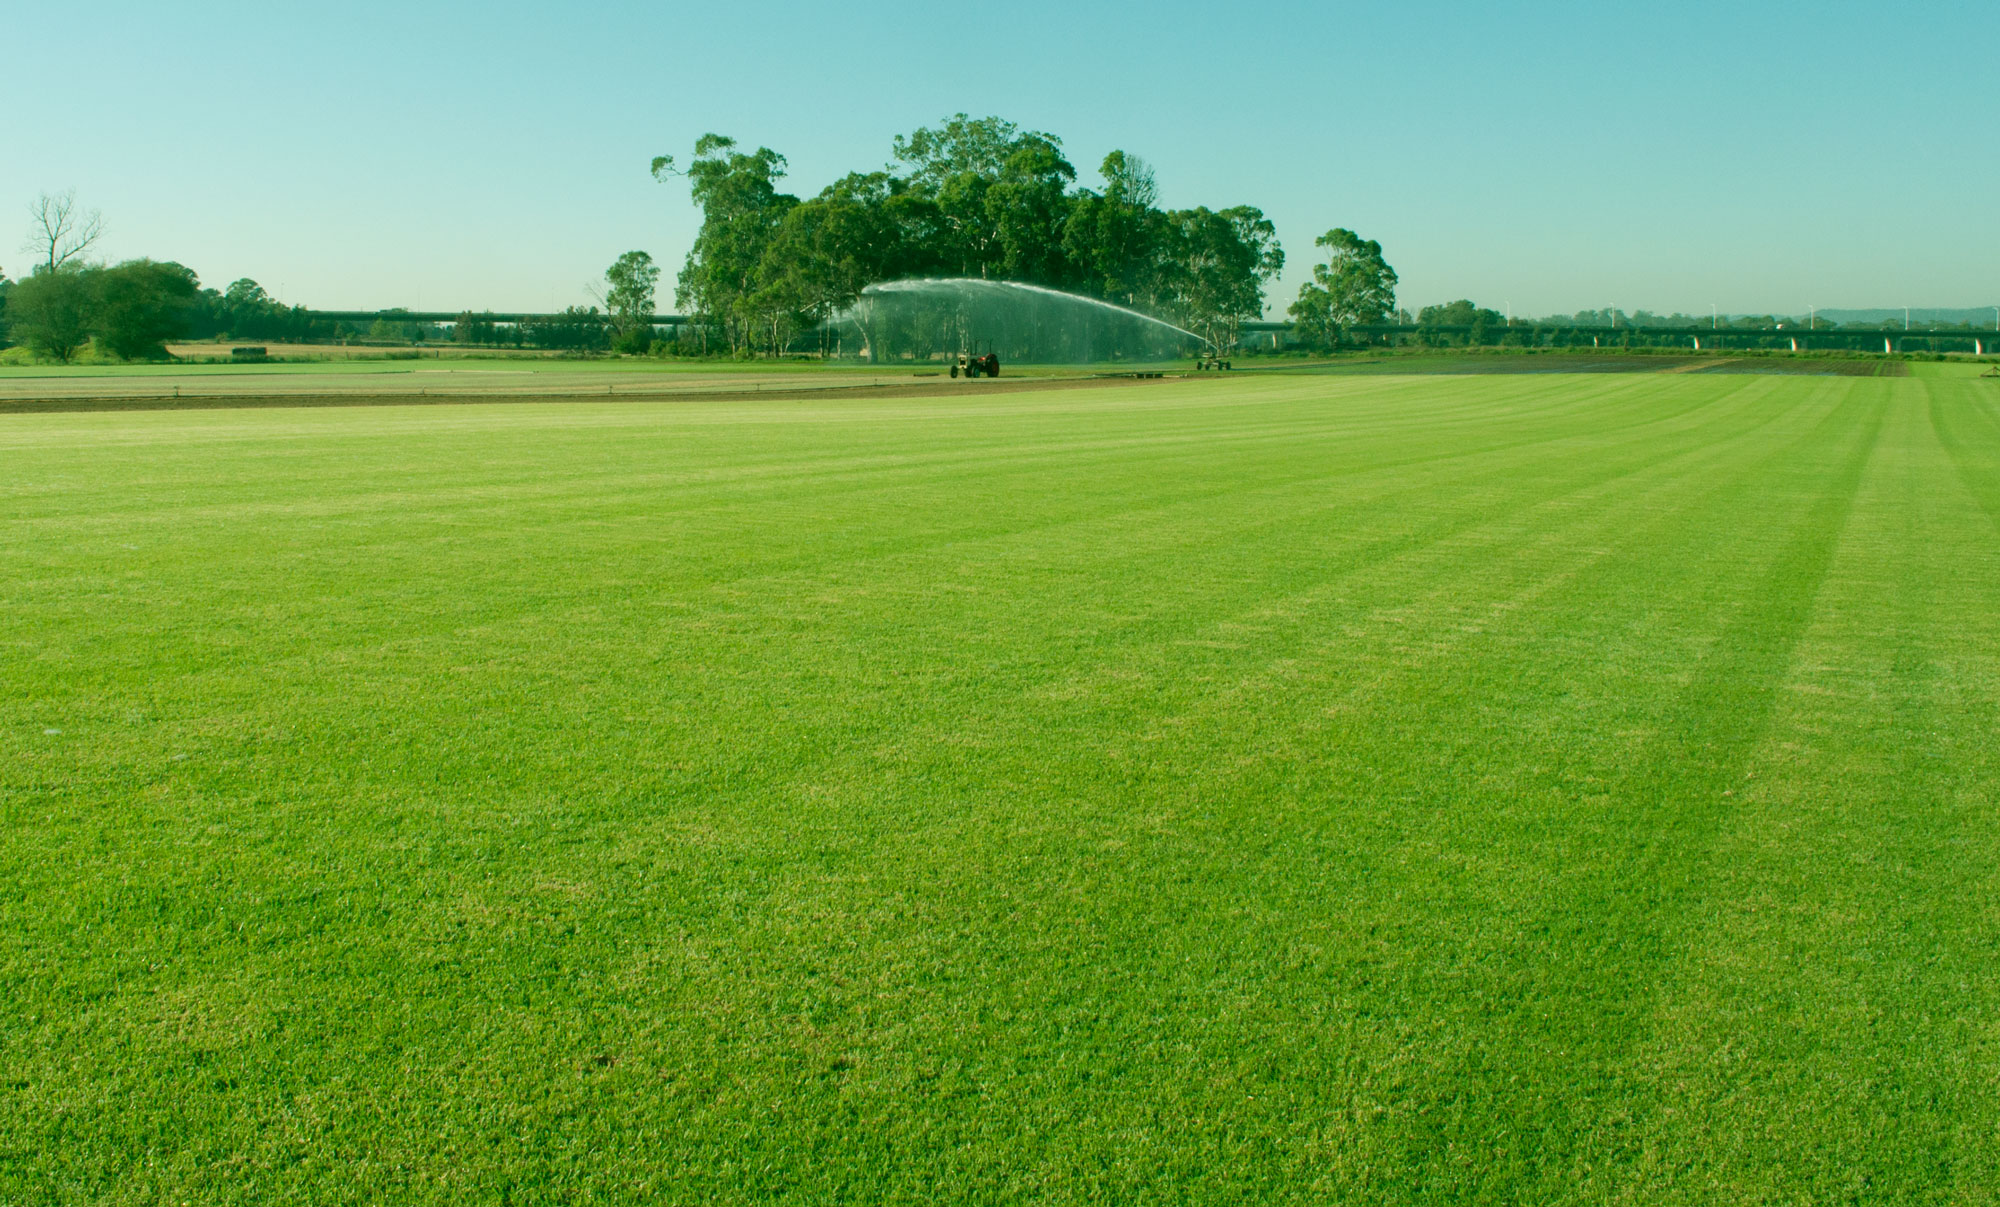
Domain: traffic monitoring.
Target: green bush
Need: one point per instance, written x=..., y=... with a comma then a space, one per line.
x=141, y=304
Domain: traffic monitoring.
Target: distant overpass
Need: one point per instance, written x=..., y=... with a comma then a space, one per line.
x=1698, y=338
x=452, y=316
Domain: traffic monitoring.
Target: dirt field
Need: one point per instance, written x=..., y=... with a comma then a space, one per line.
x=1812, y=367
x=403, y=381
x=380, y=382
x=212, y=351
x=318, y=392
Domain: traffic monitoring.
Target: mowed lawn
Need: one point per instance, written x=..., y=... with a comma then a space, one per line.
x=1553, y=789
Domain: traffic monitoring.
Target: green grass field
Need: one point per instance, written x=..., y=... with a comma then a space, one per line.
x=40, y=388
x=459, y=376
x=1538, y=789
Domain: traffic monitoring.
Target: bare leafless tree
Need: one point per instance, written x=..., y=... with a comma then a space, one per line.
x=59, y=231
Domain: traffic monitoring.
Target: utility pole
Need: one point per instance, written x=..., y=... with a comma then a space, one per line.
x=1714, y=317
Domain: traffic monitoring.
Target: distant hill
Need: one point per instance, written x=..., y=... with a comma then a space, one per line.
x=1981, y=316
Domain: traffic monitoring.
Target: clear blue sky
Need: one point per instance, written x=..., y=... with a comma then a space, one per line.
x=1555, y=156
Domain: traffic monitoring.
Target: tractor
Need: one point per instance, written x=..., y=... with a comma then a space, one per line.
x=969, y=365
x=1210, y=360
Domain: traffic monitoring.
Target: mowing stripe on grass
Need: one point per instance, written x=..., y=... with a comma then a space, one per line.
x=1277, y=790
x=1826, y=996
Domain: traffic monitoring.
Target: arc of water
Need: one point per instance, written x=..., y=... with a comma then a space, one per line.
x=920, y=284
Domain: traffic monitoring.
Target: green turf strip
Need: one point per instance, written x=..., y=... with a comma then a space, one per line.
x=1508, y=789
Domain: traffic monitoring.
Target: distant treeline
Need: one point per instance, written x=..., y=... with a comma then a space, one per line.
x=1825, y=320
x=575, y=329
x=1464, y=324
x=973, y=197
x=768, y=273
x=131, y=311
x=69, y=305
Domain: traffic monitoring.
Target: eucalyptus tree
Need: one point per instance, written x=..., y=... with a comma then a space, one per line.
x=632, y=280
x=1027, y=206
x=998, y=192
x=741, y=209
x=961, y=145
x=829, y=248
x=1217, y=263
x=1354, y=288
x=1112, y=239
x=971, y=197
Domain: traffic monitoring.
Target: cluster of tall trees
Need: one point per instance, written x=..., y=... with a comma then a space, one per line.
x=971, y=197
x=1354, y=288
x=68, y=302
x=131, y=310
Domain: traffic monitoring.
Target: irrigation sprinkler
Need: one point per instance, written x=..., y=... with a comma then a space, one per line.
x=962, y=320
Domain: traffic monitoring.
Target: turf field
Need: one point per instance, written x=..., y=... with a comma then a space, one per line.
x=1552, y=789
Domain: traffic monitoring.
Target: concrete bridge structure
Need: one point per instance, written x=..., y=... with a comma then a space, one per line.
x=1977, y=341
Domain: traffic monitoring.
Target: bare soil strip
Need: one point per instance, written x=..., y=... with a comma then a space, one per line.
x=1811, y=367
x=210, y=402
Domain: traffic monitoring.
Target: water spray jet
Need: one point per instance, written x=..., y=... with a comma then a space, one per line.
x=967, y=318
